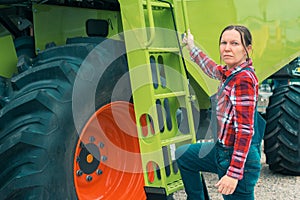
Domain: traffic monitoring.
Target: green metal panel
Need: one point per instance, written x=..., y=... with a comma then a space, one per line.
x=57, y=23
x=160, y=89
x=8, y=57
x=275, y=27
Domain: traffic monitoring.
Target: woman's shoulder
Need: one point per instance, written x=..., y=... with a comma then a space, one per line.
x=247, y=74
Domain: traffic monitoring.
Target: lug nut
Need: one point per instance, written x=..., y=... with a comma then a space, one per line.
x=101, y=145
x=89, y=178
x=104, y=158
x=92, y=139
x=79, y=173
x=99, y=172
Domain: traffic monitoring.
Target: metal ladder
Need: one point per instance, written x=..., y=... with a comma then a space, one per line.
x=161, y=95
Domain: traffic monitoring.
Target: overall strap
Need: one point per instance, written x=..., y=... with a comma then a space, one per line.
x=230, y=77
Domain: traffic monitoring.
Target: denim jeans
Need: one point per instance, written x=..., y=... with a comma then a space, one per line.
x=213, y=157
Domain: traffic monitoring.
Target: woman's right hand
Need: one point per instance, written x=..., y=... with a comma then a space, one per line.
x=188, y=40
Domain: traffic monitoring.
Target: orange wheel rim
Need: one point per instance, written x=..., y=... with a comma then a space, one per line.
x=107, y=161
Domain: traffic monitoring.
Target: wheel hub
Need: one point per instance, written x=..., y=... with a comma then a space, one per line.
x=89, y=158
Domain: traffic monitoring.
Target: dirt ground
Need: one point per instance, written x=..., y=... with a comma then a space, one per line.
x=269, y=187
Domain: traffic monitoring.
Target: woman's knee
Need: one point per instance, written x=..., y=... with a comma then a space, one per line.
x=181, y=150
x=180, y=153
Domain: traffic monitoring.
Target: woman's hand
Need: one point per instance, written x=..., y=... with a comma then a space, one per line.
x=226, y=185
x=188, y=39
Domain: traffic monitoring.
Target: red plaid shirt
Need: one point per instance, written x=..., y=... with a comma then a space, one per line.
x=235, y=108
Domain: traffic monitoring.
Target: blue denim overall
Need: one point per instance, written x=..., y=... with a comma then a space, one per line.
x=214, y=157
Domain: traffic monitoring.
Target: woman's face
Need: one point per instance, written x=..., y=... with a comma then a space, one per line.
x=232, y=50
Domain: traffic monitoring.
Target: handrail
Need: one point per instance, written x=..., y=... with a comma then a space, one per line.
x=185, y=17
x=151, y=23
x=177, y=37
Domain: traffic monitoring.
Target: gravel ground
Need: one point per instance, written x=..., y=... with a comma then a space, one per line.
x=270, y=186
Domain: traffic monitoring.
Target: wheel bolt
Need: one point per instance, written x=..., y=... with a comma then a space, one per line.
x=79, y=173
x=99, y=172
x=101, y=145
x=92, y=139
x=104, y=158
x=89, y=178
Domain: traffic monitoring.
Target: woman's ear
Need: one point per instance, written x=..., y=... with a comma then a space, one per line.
x=249, y=48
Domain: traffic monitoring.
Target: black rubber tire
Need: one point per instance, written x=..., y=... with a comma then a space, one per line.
x=37, y=132
x=282, y=135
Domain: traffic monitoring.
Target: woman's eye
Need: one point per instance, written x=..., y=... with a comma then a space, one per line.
x=223, y=42
x=235, y=43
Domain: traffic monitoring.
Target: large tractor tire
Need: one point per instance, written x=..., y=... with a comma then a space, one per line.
x=282, y=136
x=47, y=152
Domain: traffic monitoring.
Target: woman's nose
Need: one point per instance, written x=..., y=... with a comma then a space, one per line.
x=227, y=47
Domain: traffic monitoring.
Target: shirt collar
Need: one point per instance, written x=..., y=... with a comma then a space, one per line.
x=228, y=72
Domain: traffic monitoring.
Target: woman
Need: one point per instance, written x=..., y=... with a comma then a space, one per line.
x=234, y=157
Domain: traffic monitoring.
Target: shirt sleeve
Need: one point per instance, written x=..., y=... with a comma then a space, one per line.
x=208, y=66
x=243, y=98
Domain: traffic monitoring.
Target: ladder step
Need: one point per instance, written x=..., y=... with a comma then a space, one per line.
x=171, y=94
x=176, y=139
x=175, y=186
x=157, y=4
x=163, y=50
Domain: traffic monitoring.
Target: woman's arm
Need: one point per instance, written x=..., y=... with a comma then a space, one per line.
x=208, y=66
x=243, y=98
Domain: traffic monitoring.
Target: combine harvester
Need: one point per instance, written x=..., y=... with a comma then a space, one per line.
x=95, y=95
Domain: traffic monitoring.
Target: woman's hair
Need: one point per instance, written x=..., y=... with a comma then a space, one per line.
x=245, y=34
